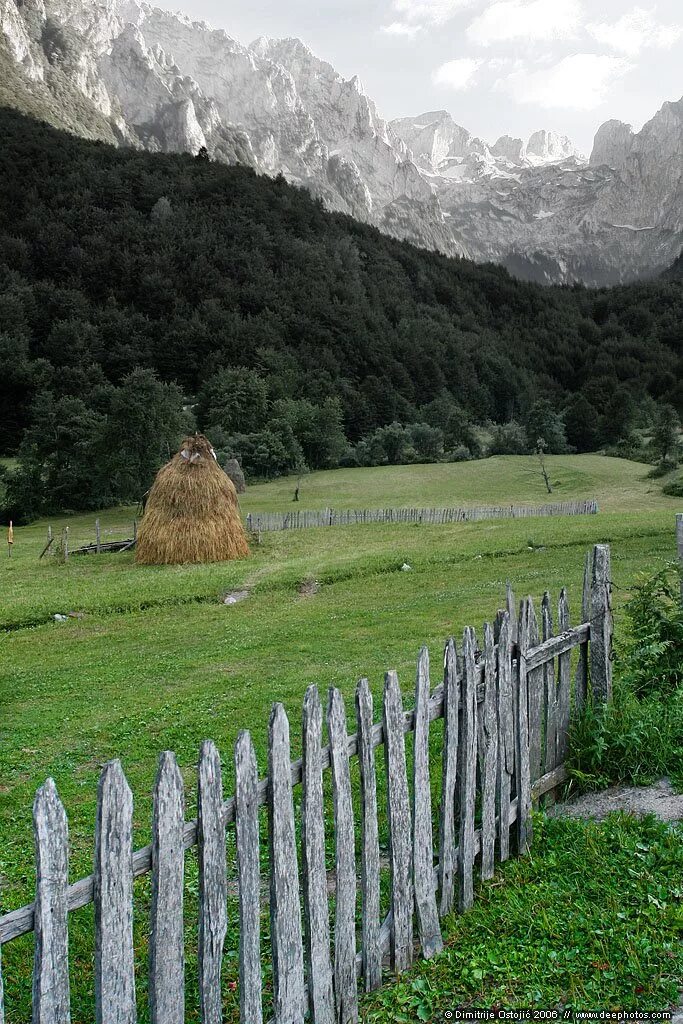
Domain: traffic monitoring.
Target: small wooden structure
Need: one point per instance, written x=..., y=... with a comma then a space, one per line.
x=236, y=474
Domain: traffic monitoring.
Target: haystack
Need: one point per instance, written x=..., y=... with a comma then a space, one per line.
x=236, y=474
x=192, y=513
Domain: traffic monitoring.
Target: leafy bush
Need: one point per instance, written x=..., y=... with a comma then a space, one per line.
x=639, y=735
x=674, y=488
x=652, y=661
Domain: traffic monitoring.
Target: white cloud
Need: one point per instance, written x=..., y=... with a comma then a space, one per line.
x=457, y=74
x=578, y=82
x=526, y=19
x=401, y=28
x=424, y=13
x=636, y=30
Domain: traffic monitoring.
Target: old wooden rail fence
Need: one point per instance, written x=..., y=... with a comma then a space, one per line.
x=304, y=518
x=506, y=709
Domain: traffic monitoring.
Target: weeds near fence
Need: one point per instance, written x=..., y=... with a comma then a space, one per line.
x=590, y=921
x=639, y=736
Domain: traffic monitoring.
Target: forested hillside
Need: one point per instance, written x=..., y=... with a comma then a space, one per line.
x=179, y=271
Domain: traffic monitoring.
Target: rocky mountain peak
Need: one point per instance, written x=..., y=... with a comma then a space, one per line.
x=549, y=147
x=159, y=80
x=510, y=149
x=612, y=144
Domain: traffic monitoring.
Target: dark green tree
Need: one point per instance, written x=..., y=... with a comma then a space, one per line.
x=666, y=436
x=543, y=423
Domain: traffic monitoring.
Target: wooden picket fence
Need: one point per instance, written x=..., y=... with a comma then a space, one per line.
x=506, y=709
x=305, y=518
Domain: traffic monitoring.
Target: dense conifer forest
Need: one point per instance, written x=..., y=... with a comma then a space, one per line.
x=143, y=293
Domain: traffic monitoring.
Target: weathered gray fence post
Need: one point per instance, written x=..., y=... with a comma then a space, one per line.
x=316, y=911
x=601, y=625
x=166, y=943
x=113, y=896
x=679, y=545
x=371, y=949
x=581, y=677
x=523, y=770
x=97, y=536
x=549, y=757
x=506, y=732
x=563, y=684
x=289, y=999
x=213, y=884
x=248, y=870
x=400, y=831
x=345, y=983
x=423, y=840
x=536, y=690
x=490, y=759
x=51, y=1004
x=468, y=772
x=447, y=830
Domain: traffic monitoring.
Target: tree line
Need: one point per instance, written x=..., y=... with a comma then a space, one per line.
x=144, y=294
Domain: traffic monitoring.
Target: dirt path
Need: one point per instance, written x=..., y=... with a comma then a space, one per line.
x=659, y=799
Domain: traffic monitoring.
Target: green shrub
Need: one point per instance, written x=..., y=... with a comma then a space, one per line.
x=652, y=659
x=639, y=735
x=674, y=488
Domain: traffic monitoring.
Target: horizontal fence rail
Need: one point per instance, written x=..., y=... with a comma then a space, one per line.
x=506, y=700
x=303, y=519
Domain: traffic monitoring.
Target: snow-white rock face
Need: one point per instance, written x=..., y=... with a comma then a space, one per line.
x=171, y=84
x=550, y=148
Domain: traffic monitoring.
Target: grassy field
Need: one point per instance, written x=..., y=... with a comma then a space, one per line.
x=157, y=661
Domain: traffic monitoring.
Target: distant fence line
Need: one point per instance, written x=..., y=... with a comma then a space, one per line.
x=304, y=518
x=506, y=701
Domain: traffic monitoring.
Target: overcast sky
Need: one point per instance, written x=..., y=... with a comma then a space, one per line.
x=499, y=66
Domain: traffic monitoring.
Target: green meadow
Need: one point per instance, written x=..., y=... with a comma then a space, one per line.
x=155, y=660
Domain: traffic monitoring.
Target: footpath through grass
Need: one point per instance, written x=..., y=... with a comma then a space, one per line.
x=159, y=662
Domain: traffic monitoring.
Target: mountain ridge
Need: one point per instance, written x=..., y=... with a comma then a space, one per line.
x=160, y=81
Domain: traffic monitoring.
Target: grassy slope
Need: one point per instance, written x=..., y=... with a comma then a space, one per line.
x=618, y=484
x=158, y=662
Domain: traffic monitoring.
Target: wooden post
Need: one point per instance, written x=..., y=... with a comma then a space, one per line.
x=51, y=960
x=113, y=898
x=370, y=879
x=679, y=545
x=65, y=544
x=601, y=625
x=423, y=842
x=581, y=677
x=97, y=535
x=166, y=950
x=345, y=983
x=490, y=759
x=447, y=830
x=522, y=764
x=400, y=826
x=316, y=912
x=289, y=998
x=248, y=861
x=506, y=732
x=213, y=882
x=468, y=773
x=135, y=530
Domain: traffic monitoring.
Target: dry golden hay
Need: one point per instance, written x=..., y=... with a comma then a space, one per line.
x=192, y=513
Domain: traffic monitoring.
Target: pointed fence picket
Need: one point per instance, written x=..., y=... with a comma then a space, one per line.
x=506, y=710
